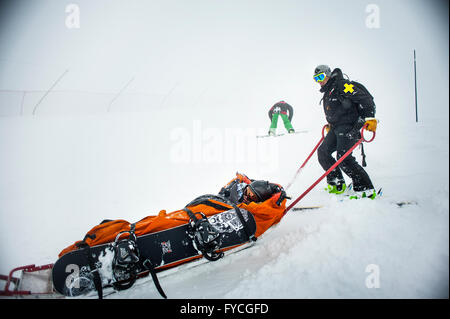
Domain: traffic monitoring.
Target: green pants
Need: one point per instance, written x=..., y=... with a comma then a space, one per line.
x=287, y=123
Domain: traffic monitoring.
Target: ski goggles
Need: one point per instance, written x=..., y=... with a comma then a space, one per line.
x=319, y=77
x=249, y=195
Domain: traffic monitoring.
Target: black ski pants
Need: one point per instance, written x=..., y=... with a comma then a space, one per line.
x=341, y=139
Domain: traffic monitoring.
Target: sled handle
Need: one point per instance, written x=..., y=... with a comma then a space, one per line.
x=364, y=128
x=323, y=130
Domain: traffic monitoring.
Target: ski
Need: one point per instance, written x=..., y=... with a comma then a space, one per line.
x=405, y=203
x=350, y=193
x=400, y=204
x=281, y=134
x=301, y=208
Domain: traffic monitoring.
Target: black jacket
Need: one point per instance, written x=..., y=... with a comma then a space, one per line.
x=283, y=108
x=346, y=102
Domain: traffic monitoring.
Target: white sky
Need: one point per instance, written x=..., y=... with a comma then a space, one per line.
x=241, y=48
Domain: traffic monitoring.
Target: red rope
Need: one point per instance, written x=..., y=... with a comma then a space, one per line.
x=307, y=159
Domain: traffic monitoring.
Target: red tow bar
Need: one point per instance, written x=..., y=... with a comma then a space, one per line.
x=362, y=139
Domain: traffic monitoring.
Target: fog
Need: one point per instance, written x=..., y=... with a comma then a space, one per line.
x=222, y=54
x=118, y=109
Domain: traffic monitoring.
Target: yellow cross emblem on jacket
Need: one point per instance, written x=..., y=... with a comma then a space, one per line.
x=348, y=88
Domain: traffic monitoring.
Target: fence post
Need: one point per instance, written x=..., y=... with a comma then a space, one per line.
x=48, y=91
x=415, y=84
x=118, y=94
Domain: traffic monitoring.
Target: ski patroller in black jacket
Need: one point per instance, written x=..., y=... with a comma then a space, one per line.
x=346, y=102
x=283, y=108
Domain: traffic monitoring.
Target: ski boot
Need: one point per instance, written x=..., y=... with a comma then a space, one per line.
x=336, y=189
x=271, y=132
x=291, y=131
x=369, y=193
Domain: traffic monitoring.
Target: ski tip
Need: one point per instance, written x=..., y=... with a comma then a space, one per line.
x=306, y=208
x=405, y=203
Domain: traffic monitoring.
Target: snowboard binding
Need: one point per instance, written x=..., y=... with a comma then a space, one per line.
x=207, y=239
x=126, y=260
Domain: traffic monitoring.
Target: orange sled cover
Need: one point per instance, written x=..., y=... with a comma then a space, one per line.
x=266, y=214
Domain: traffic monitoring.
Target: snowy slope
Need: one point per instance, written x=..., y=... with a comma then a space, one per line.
x=59, y=190
x=328, y=253
x=204, y=75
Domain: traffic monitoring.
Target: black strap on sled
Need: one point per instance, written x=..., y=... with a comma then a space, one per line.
x=244, y=224
x=97, y=281
x=238, y=213
x=149, y=266
x=206, y=200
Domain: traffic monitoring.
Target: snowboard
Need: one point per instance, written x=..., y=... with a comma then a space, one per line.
x=73, y=276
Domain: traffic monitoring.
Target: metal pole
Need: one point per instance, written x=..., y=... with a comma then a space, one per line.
x=21, y=104
x=48, y=91
x=415, y=84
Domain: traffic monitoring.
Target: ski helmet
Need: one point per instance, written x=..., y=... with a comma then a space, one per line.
x=262, y=190
x=322, y=69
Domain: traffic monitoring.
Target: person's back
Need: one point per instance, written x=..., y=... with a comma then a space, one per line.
x=286, y=112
